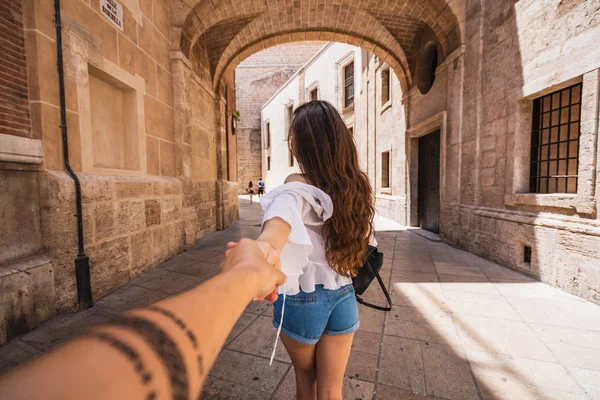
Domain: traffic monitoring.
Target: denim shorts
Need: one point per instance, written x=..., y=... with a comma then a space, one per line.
x=307, y=316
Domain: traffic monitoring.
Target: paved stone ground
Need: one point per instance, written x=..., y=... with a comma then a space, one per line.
x=461, y=328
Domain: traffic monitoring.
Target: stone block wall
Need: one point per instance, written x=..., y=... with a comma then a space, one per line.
x=162, y=196
x=131, y=224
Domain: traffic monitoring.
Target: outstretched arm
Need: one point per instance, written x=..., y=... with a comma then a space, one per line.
x=161, y=352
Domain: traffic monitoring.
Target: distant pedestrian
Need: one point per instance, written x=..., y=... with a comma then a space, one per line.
x=250, y=190
x=261, y=187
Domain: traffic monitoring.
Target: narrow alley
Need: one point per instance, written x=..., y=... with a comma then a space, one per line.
x=461, y=328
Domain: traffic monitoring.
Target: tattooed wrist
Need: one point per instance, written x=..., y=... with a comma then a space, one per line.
x=166, y=349
x=131, y=354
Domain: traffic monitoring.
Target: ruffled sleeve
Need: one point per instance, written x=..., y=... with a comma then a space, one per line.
x=288, y=206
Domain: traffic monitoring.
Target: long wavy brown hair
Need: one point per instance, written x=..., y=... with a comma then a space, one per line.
x=327, y=156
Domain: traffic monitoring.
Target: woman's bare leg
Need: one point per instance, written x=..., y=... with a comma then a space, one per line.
x=331, y=360
x=250, y=198
x=303, y=359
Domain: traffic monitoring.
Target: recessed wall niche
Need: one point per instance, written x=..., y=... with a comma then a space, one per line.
x=113, y=128
x=114, y=123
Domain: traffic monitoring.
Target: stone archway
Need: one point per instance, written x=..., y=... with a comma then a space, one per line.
x=211, y=37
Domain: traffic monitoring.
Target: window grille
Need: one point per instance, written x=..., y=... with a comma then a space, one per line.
x=555, y=141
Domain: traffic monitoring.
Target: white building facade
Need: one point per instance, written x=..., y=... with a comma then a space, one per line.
x=333, y=74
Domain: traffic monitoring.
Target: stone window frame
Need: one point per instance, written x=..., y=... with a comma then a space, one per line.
x=388, y=104
x=340, y=65
x=313, y=86
x=518, y=193
x=436, y=122
x=135, y=83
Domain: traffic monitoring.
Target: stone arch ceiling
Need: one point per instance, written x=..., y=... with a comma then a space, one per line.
x=229, y=27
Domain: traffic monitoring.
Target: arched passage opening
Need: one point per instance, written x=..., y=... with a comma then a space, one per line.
x=213, y=37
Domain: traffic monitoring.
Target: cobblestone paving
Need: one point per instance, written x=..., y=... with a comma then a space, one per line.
x=461, y=328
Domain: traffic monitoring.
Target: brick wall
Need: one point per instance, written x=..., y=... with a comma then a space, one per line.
x=14, y=105
x=257, y=79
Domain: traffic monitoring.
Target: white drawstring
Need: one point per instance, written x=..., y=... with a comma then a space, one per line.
x=280, y=325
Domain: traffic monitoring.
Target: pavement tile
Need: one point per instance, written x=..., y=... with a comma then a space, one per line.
x=258, y=339
x=242, y=323
x=422, y=295
x=363, y=357
x=177, y=263
x=148, y=276
x=496, y=388
x=568, y=336
x=171, y=283
x=401, y=364
x=47, y=338
x=512, y=338
x=447, y=373
x=249, y=370
x=588, y=379
x=540, y=374
x=15, y=353
x=465, y=283
x=370, y=320
x=484, y=305
x=456, y=269
x=535, y=290
x=402, y=275
x=391, y=393
x=575, y=356
x=258, y=307
x=432, y=333
x=127, y=298
x=201, y=270
x=219, y=389
x=352, y=389
x=562, y=312
x=412, y=265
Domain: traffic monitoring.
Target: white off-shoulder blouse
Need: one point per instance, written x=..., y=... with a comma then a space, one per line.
x=305, y=208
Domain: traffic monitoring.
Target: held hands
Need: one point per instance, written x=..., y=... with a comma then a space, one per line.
x=261, y=260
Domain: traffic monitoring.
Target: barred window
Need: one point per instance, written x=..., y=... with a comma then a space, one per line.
x=385, y=86
x=290, y=157
x=268, y=163
x=349, y=85
x=555, y=141
x=314, y=94
x=385, y=169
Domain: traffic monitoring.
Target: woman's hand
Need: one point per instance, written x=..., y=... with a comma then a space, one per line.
x=261, y=260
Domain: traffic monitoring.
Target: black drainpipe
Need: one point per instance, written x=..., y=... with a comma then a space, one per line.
x=82, y=262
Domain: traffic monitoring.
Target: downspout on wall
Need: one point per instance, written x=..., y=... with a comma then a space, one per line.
x=82, y=261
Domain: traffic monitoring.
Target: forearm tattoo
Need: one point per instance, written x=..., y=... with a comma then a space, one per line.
x=184, y=328
x=131, y=354
x=165, y=348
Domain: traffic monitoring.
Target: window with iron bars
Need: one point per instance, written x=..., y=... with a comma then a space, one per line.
x=314, y=94
x=555, y=141
x=349, y=85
